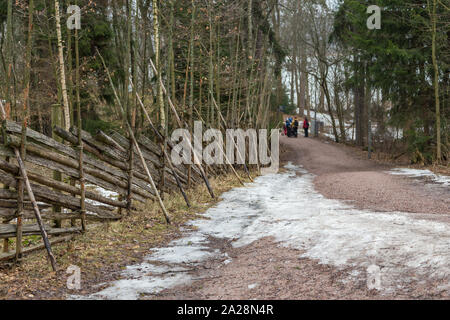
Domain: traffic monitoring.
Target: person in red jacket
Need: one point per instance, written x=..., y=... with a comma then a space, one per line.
x=306, y=127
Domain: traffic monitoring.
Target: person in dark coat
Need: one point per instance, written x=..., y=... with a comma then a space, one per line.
x=306, y=127
x=288, y=128
x=295, y=127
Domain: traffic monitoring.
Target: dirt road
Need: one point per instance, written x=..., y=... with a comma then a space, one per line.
x=330, y=227
x=340, y=175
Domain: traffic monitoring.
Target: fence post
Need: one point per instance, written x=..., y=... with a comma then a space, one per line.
x=82, y=183
x=130, y=177
x=5, y=248
x=163, y=165
x=56, y=120
x=5, y=241
x=73, y=183
x=20, y=207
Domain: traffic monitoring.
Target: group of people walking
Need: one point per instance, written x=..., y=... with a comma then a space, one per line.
x=291, y=127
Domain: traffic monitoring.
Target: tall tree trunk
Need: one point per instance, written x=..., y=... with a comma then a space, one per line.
x=326, y=92
x=160, y=97
x=359, y=96
x=9, y=67
x=276, y=19
x=307, y=97
x=217, y=76
x=70, y=71
x=211, y=119
x=235, y=81
x=192, y=82
x=436, y=83
x=62, y=68
x=250, y=59
x=129, y=106
x=297, y=85
x=292, y=84
x=9, y=55
x=25, y=119
x=339, y=110
x=80, y=139
x=303, y=80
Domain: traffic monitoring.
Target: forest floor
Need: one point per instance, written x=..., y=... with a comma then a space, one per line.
x=105, y=250
x=330, y=225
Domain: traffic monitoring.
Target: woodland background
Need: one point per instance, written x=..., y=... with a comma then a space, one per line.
x=248, y=56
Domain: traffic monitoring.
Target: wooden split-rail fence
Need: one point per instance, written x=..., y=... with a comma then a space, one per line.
x=108, y=166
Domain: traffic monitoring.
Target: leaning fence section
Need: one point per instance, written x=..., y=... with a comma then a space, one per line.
x=54, y=172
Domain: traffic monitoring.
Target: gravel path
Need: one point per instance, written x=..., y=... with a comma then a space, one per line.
x=365, y=183
x=341, y=229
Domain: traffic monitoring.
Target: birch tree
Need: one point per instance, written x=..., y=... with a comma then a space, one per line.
x=62, y=68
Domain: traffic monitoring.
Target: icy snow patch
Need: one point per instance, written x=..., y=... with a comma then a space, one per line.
x=285, y=206
x=253, y=286
x=102, y=192
x=181, y=254
x=415, y=173
x=131, y=289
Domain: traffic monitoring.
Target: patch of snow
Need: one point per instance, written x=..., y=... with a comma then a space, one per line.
x=228, y=260
x=102, y=192
x=416, y=173
x=323, y=117
x=132, y=289
x=140, y=279
x=285, y=206
x=253, y=286
x=355, y=273
x=329, y=135
x=181, y=254
x=395, y=133
x=350, y=129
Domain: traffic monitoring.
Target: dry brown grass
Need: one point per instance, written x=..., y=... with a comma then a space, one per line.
x=106, y=249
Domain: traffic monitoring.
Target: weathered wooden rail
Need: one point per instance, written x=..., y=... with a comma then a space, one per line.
x=106, y=163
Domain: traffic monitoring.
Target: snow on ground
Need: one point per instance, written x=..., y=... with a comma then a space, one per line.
x=329, y=135
x=285, y=206
x=102, y=192
x=325, y=118
x=416, y=173
x=350, y=130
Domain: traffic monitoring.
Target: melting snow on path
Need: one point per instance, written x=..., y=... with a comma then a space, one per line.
x=415, y=173
x=286, y=207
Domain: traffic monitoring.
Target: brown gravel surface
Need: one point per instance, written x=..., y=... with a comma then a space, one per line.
x=340, y=175
x=265, y=271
